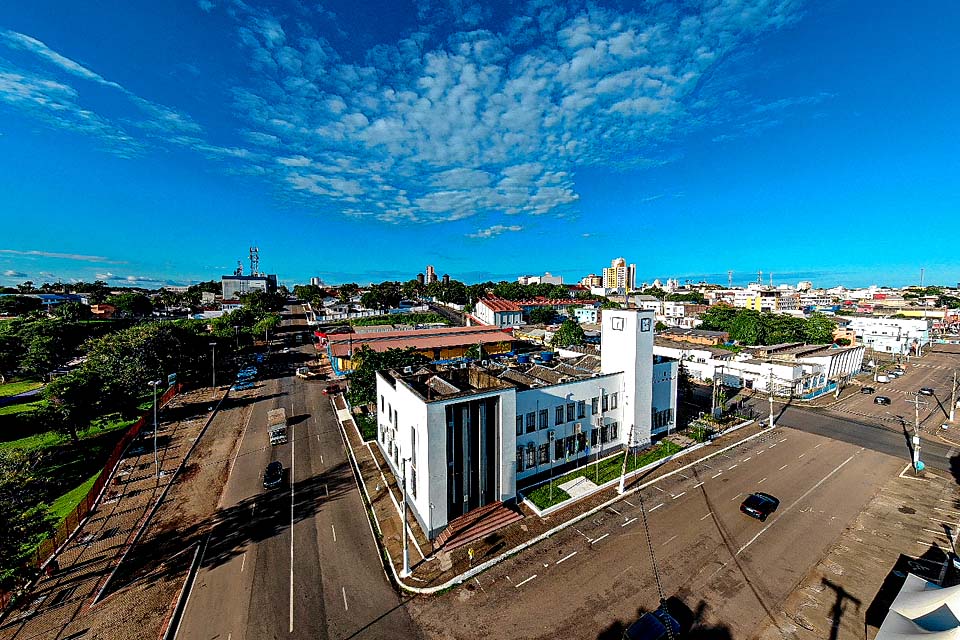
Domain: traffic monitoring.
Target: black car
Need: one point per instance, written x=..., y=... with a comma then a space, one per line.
x=926, y=391
x=653, y=626
x=759, y=505
x=867, y=390
x=881, y=400
x=273, y=475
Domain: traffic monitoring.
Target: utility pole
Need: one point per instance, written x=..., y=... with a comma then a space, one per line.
x=770, y=389
x=916, y=402
x=213, y=368
x=623, y=471
x=403, y=525
x=156, y=459
x=953, y=396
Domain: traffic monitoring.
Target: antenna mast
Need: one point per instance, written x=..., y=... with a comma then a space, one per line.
x=254, y=261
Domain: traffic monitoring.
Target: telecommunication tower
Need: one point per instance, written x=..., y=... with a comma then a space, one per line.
x=729, y=279
x=254, y=261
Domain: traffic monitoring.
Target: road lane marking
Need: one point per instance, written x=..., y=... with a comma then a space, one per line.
x=658, y=489
x=683, y=476
x=628, y=522
x=818, y=446
x=334, y=533
x=718, y=474
x=326, y=489
x=746, y=459
x=735, y=497
x=243, y=561
x=566, y=557
x=520, y=584
x=678, y=495
x=942, y=521
x=672, y=538
x=656, y=507
x=346, y=607
x=762, y=479
x=782, y=468
x=615, y=511
x=631, y=504
x=941, y=532
x=801, y=455
x=321, y=458
x=798, y=500
x=697, y=485
x=318, y=437
x=589, y=539
x=709, y=513
x=239, y=444
x=773, y=445
x=599, y=539
x=733, y=467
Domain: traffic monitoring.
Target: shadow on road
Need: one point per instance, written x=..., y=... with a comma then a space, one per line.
x=692, y=624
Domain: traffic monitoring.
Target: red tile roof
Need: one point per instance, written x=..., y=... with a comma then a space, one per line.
x=340, y=345
x=499, y=304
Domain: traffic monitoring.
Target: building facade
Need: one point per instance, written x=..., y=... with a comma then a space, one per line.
x=620, y=276
x=892, y=335
x=236, y=286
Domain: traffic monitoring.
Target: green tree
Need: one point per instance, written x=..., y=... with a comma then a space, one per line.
x=267, y=324
x=24, y=521
x=19, y=305
x=656, y=292
x=569, y=334
x=541, y=315
x=684, y=382
x=346, y=291
x=260, y=302
x=71, y=402
x=747, y=327
x=27, y=287
x=131, y=304
x=660, y=327
x=72, y=311
x=366, y=361
x=818, y=329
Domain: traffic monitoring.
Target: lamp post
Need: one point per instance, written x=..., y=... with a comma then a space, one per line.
x=213, y=367
x=403, y=525
x=156, y=459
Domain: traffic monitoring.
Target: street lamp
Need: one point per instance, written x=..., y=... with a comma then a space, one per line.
x=213, y=345
x=156, y=459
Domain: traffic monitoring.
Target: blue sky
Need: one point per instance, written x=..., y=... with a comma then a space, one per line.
x=358, y=141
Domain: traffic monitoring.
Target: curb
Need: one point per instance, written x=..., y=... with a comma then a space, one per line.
x=160, y=499
x=463, y=577
x=173, y=625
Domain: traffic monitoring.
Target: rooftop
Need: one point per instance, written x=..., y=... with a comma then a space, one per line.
x=341, y=345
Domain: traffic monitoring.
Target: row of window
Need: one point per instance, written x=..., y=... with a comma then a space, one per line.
x=533, y=455
x=662, y=418
x=530, y=422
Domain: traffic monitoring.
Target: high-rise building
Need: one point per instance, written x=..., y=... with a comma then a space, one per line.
x=420, y=278
x=592, y=280
x=315, y=281
x=446, y=279
x=620, y=275
x=431, y=274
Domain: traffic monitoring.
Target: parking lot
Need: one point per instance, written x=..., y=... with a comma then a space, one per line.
x=724, y=572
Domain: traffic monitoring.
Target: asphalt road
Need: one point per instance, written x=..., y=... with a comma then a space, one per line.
x=722, y=570
x=298, y=561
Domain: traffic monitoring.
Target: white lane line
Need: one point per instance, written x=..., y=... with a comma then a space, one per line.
x=318, y=437
x=773, y=445
x=950, y=511
x=615, y=511
x=656, y=507
x=761, y=479
x=631, y=504
x=782, y=468
x=321, y=458
x=678, y=495
x=746, y=459
x=293, y=484
x=243, y=561
x=941, y=532
x=628, y=522
x=717, y=475
x=672, y=538
x=709, y=513
x=598, y=539
x=733, y=467
x=942, y=521
x=758, y=452
x=801, y=455
x=346, y=607
x=326, y=489
x=334, y=533
x=697, y=485
x=683, y=476
x=818, y=446
x=795, y=502
x=735, y=497
x=520, y=584
x=566, y=557
x=658, y=489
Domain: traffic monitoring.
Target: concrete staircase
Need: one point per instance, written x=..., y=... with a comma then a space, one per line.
x=475, y=525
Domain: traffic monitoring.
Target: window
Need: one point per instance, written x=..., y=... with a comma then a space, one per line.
x=531, y=422
x=558, y=448
x=571, y=408
x=613, y=431
x=581, y=409
x=383, y=403
x=519, y=425
x=604, y=434
x=519, y=459
x=412, y=488
x=594, y=405
x=559, y=417
x=594, y=437
x=571, y=443
x=613, y=400
x=581, y=442
x=543, y=454
x=544, y=419
x=531, y=460
x=606, y=402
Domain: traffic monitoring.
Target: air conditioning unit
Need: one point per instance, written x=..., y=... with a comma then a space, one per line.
x=484, y=362
x=408, y=370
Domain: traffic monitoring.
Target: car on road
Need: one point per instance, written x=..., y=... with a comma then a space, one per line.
x=881, y=400
x=273, y=475
x=884, y=379
x=759, y=505
x=867, y=390
x=894, y=373
x=285, y=350
x=332, y=389
x=653, y=626
x=926, y=391
x=138, y=448
x=242, y=386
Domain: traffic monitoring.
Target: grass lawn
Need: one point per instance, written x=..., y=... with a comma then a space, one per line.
x=368, y=427
x=609, y=469
x=66, y=503
x=20, y=407
x=14, y=388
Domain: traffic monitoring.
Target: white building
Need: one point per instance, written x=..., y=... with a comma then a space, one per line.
x=472, y=435
x=892, y=335
x=619, y=275
x=498, y=312
x=546, y=278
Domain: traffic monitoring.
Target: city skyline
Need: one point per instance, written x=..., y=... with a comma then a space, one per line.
x=360, y=143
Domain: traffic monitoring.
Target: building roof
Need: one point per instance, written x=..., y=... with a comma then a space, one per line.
x=498, y=304
x=692, y=346
x=678, y=331
x=342, y=345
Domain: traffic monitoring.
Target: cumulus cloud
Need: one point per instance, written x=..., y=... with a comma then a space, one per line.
x=494, y=231
x=10, y=273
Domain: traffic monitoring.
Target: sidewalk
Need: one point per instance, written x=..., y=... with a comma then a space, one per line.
x=58, y=602
x=433, y=571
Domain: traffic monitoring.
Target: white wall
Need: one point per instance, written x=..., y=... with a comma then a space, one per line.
x=627, y=346
x=664, y=395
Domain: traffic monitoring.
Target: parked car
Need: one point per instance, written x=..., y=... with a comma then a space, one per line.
x=273, y=475
x=883, y=379
x=881, y=400
x=867, y=390
x=926, y=391
x=332, y=389
x=759, y=505
x=653, y=626
x=894, y=373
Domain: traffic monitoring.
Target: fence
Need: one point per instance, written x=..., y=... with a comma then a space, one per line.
x=70, y=524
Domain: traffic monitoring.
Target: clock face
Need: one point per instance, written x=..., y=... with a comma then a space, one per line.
x=617, y=324
x=645, y=324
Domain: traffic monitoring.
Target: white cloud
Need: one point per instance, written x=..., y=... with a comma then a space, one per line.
x=63, y=256
x=10, y=273
x=105, y=276
x=494, y=231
